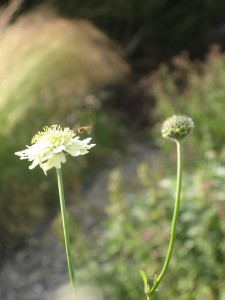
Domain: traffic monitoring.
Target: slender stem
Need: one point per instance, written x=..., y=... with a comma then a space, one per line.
x=65, y=229
x=175, y=217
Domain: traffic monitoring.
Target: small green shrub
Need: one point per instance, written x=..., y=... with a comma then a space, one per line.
x=195, y=89
x=137, y=229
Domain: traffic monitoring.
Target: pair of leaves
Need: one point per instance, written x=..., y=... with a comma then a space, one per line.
x=148, y=291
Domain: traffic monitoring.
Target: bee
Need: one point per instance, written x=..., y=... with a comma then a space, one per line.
x=83, y=129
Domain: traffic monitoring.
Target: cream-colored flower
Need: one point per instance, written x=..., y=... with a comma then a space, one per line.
x=50, y=147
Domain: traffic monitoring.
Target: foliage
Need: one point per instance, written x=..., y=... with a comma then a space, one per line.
x=137, y=229
x=48, y=76
x=146, y=28
x=195, y=89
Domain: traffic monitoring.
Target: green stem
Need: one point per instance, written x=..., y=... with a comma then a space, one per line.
x=65, y=228
x=175, y=217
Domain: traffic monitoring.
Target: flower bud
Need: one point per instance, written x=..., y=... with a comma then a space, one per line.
x=177, y=127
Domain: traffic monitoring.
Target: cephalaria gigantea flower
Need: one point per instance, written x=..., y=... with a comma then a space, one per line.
x=50, y=147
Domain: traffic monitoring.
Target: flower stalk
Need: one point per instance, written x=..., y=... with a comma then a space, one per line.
x=175, y=128
x=49, y=149
x=65, y=228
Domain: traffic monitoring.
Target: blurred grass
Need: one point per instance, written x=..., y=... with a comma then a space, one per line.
x=52, y=71
x=46, y=57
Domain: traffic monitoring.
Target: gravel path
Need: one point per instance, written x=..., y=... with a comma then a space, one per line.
x=27, y=274
x=39, y=268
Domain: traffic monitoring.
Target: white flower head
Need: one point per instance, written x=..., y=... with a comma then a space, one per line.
x=49, y=147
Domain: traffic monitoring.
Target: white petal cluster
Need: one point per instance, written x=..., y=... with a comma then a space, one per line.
x=50, y=147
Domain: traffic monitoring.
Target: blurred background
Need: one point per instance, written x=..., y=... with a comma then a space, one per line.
x=122, y=67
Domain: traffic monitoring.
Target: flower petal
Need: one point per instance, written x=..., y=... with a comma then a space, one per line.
x=55, y=161
x=58, y=159
x=34, y=164
x=59, y=149
x=79, y=147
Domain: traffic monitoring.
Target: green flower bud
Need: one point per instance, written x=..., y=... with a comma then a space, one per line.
x=177, y=127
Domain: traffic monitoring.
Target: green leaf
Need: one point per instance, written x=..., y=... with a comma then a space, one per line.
x=144, y=277
x=147, y=285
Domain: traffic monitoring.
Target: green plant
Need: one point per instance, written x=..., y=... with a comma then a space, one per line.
x=49, y=149
x=136, y=231
x=176, y=129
